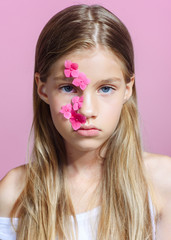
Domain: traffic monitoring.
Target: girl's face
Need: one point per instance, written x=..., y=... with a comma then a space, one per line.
x=103, y=97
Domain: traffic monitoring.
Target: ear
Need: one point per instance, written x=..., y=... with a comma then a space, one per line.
x=41, y=88
x=129, y=86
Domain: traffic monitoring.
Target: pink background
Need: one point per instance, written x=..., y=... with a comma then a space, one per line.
x=21, y=21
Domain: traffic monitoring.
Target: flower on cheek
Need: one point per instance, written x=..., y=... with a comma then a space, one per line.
x=71, y=69
x=66, y=110
x=82, y=81
x=77, y=102
x=76, y=120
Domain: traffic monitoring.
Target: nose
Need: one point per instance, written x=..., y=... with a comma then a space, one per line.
x=89, y=107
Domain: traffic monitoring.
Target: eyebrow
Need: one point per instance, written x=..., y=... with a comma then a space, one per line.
x=108, y=80
x=63, y=78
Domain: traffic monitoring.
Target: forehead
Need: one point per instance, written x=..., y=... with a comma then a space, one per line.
x=96, y=63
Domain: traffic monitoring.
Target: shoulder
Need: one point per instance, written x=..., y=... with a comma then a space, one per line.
x=156, y=158
x=159, y=170
x=11, y=187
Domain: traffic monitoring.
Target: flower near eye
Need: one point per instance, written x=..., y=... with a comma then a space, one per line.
x=71, y=69
x=76, y=120
x=69, y=111
x=66, y=110
x=81, y=81
x=77, y=102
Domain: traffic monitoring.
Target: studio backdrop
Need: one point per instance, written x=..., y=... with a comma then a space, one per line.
x=149, y=23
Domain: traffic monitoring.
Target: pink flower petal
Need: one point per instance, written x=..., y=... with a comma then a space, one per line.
x=82, y=119
x=76, y=120
x=75, y=99
x=66, y=110
x=68, y=107
x=76, y=82
x=87, y=81
x=74, y=73
x=83, y=86
x=75, y=125
x=74, y=66
x=68, y=64
x=82, y=81
x=80, y=105
x=76, y=106
x=84, y=78
x=67, y=73
x=67, y=115
x=78, y=102
x=78, y=117
x=71, y=69
x=81, y=99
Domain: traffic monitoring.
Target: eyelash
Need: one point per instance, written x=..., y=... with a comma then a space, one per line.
x=109, y=88
x=73, y=90
x=64, y=88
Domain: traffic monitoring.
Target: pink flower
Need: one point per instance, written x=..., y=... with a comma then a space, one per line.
x=76, y=120
x=77, y=102
x=66, y=110
x=82, y=81
x=71, y=69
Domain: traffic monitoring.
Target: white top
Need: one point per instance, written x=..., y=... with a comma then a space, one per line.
x=87, y=225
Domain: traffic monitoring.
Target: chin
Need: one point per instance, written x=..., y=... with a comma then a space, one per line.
x=84, y=146
x=88, y=149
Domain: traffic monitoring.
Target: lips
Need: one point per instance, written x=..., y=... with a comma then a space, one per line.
x=87, y=127
x=88, y=131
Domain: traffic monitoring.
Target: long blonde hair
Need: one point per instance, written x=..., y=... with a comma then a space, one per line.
x=45, y=207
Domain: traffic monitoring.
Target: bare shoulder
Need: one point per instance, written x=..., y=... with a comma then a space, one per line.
x=11, y=187
x=159, y=169
x=153, y=159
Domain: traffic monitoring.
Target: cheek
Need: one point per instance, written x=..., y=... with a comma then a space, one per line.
x=55, y=108
x=55, y=105
x=113, y=107
x=61, y=124
x=112, y=114
x=57, y=101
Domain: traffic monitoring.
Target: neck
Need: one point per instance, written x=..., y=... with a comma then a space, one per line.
x=83, y=163
x=84, y=174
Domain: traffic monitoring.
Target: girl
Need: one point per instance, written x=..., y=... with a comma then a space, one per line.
x=86, y=178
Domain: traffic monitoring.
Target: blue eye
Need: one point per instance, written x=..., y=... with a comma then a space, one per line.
x=67, y=89
x=106, y=89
